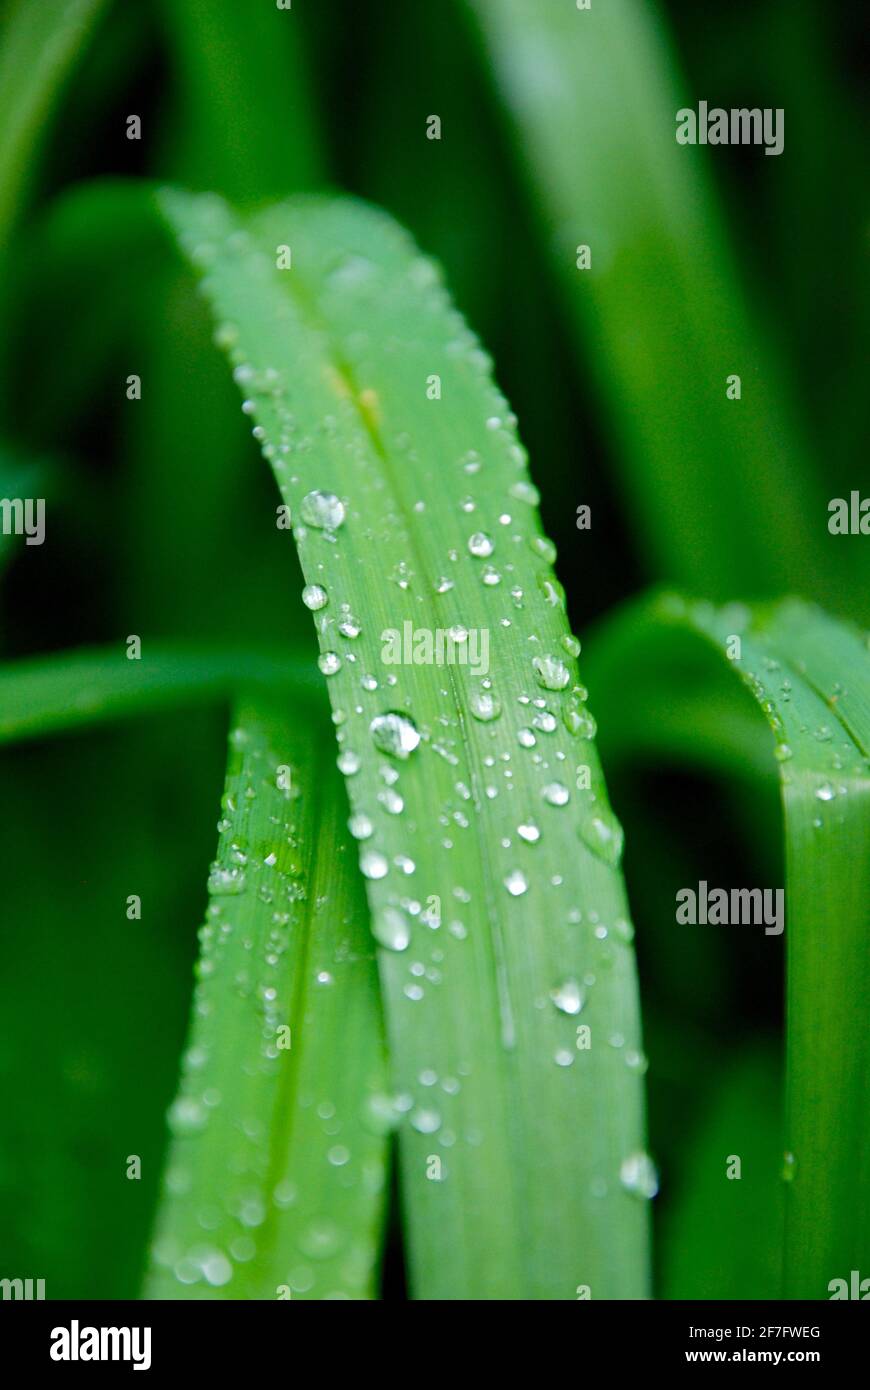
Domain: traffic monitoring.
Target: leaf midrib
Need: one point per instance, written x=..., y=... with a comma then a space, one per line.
x=307, y=306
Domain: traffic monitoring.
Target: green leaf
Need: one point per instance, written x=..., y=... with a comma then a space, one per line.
x=662, y=313
x=276, y=1177
x=722, y=1236
x=247, y=123
x=51, y=694
x=79, y=249
x=811, y=677
x=493, y=881
x=41, y=40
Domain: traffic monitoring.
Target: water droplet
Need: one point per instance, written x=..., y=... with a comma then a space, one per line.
x=216, y=1268
x=525, y=738
x=638, y=1176
x=391, y=801
x=320, y=1240
x=544, y=547
x=223, y=881
x=525, y=492
x=481, y=545
x=556, y=794
x=551, y=591
x=186, y=1116
x=394, y=733
x=551, y=672
x=360, y=826
x=569, y=997
x=529, y=832
x=578, y=720
x=603, y=834
x=323, y=510
x=825, y=792
x=381, y=1113
x=485, y=706
x=789, y=1167
x=571, y=644
x=623, y=929
x=516, y=883
x=373, y=864
x=348, y=762
x=314, y=597
x=349, y=626
x=392, y=929
x=329, y=663
x=782, y=752
x=425, y=1121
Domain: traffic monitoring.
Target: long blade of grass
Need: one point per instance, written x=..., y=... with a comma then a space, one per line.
x=78, y=251
x=811, y=677
x=39, y=43
x=722, y=1239
x=662, y=312
x=52, y=694
x=493, y=881
x=275, y=1184
x=247, y=124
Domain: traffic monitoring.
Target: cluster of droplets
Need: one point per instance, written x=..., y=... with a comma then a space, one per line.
x=489, y=548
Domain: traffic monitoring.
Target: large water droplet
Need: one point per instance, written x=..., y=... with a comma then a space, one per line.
x=551, y=672
x=392, y=929
x=556, y=794
x=638, y=1176
x=481, y=545
x=223, y=881
x=186, y=1116
x=544, y=547
x=602, y=833
x=323, y=510
x=425, y=1121
x=525, y=492
x=485, y=706
x=516, y=883
x=329, y=663
x=314, y=596
x=373, y=864
x=320, y=1240
x=394, y=733
x=349, y=626
x=569, y=997
x=216, y=1268
x=578, y=720
x=360, y=826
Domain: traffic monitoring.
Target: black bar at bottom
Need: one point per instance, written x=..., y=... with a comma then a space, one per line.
x=157, y=1338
